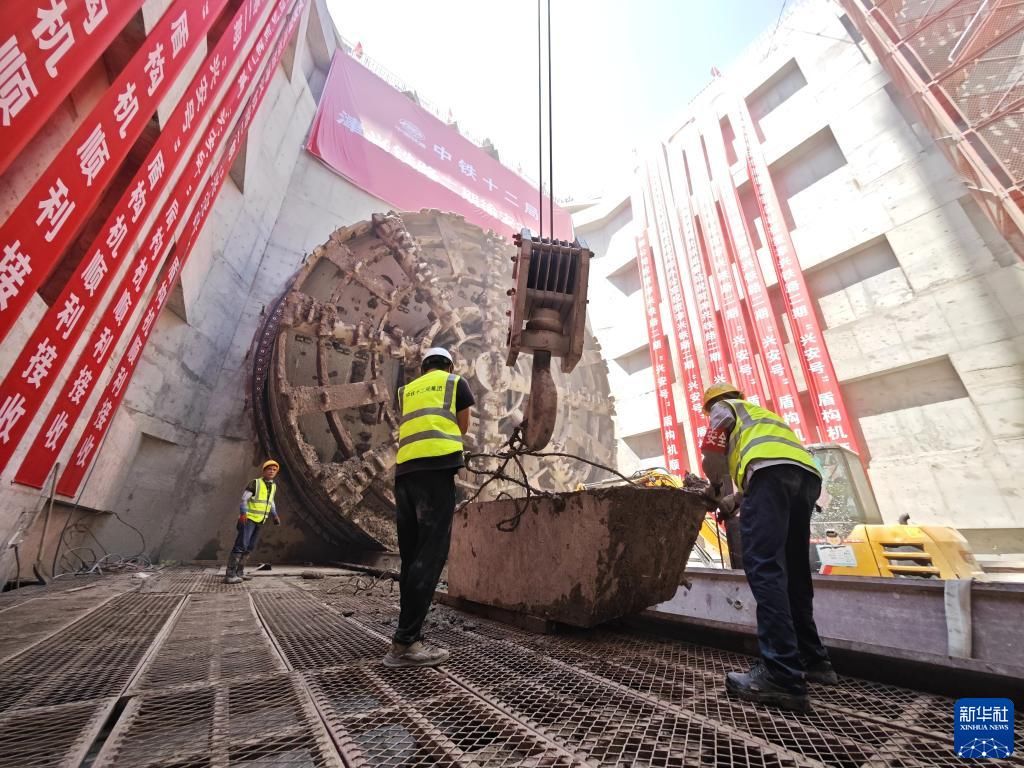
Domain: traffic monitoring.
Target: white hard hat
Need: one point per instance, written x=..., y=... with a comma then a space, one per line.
x=438, y=352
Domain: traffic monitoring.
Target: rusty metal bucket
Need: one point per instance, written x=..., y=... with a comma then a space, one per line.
x=579, y=558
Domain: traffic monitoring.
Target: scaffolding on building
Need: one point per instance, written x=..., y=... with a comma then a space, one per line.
x=961, y=64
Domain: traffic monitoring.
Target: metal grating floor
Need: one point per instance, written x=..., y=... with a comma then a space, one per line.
x=179, y=670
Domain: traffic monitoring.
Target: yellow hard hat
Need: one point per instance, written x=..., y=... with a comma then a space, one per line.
x=717, y=390
x=270, y=463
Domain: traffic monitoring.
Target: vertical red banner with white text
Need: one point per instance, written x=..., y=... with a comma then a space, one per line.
x=48, y=218
x=221, y=64
x=47, y=50
x=831, y=417
x=785, y=395
x=660, y=359
x=100, y=419
x=656, y=190
x=52, y=343
x=745, y=375
x=709, y=330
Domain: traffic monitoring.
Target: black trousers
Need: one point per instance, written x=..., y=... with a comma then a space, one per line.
x=425, y=503
x=775, y=523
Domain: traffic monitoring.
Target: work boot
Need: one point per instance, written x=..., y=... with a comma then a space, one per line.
x=231, y=574
x=821, y=672
x=757, y=685
x=415, y=655
x=241, y=567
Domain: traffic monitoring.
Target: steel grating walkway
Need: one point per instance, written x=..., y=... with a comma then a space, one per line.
x=182, y=671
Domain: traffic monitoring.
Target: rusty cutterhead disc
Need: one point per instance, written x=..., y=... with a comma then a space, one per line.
x=352, y=330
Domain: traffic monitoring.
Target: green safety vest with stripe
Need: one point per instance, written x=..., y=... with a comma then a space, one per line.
x=761, y=434
x=428, y=427
x=258, y=507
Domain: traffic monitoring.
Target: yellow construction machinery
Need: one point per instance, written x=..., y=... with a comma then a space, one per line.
x=848, y=536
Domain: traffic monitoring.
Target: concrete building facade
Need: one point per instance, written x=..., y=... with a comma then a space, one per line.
x=919, y=297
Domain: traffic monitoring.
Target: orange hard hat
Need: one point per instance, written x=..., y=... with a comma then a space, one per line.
x=270, y=463
x=717, y=390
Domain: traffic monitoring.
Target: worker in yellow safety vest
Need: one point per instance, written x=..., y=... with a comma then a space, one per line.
x=435, y=416
x=777, y=483
x=257, y=505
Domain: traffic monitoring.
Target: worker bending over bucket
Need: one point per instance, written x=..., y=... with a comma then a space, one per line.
x=257, y=505
x=777, y=483
x=435, y=416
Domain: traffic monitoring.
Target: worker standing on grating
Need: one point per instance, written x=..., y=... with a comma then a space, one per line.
x=257, y=505
x=435, y=416
x=778, y=483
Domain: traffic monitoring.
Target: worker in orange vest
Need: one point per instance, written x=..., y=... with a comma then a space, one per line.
x=257, y=505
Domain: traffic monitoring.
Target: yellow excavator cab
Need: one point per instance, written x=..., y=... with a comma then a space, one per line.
x=899, y=551
x=849, y=537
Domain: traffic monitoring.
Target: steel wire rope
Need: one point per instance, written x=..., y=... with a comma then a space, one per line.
x=512, y=453
x=551, y=144
x=540, y=123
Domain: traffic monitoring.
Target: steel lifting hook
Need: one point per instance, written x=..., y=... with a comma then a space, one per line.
x=548, y=318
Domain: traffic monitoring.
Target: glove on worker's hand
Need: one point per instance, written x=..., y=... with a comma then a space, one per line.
x=730, y=505
x=241, y=522
x=277, y=520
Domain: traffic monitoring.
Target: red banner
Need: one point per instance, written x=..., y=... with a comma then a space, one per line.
x=785, y=394
x=53, y=341
x=221, y=64
x=744, y=372
x=386, y=144
x=660, y=360
x=692, y=381
x=53, y=45
x=710, y=330
x=832, y=419
x=48, y=218
x=99, y=421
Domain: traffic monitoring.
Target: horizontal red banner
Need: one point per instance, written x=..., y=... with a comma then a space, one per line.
x=386, y=144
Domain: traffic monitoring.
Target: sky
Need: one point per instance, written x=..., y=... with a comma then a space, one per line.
x=622, y=70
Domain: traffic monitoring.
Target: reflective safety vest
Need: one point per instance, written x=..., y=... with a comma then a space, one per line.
x=258, y=507
x=428, y=427
x=762, y=434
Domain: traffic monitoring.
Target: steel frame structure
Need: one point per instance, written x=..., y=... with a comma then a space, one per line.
x=961, y=63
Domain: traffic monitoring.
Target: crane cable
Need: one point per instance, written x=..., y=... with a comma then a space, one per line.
x=540, y=126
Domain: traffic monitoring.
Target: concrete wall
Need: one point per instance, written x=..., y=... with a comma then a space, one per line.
x=619, y=325
x=921, y=298
x=181, y=447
